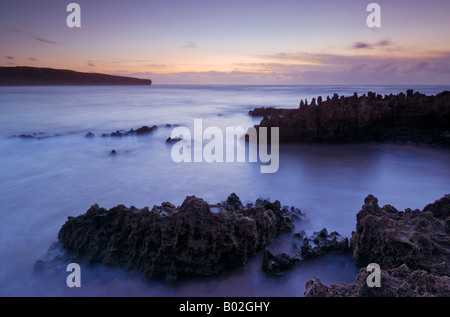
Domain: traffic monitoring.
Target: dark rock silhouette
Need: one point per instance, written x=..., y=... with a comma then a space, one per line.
x=412, y=249
x=321, y=243
x=174, y=242
x=21, y=75
x=315, y=246
x=170, y=140
x=140, y=131
x=419, y=239
x=275, y=265
x=410, y=118
x=398, y=282
x=36, y=135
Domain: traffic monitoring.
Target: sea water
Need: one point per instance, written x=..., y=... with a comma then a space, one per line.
x=60, y=172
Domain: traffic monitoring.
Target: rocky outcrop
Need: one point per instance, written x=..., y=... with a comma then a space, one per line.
x=171, y=242
x=419, y=239
x=321, y=243
x=398, y=282
x=275, y=265
x=140, y=131
x=410, y=118
x=308, y=248
x=412, y=249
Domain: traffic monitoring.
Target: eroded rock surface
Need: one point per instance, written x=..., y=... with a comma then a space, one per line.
x=412, y=249
x=175, y=242
x=411, y=118
x=419, y=239
x=398, y=282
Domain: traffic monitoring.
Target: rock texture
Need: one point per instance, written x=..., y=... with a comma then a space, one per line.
x=398, y=282
x=308, y=248
x=419, y=239
x=175, y=242
x=411, y=247
x=414, y=117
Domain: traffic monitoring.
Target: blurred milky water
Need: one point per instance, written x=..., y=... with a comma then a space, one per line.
x=45, y=180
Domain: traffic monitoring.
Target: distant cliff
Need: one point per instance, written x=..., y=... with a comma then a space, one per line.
x=22, y=76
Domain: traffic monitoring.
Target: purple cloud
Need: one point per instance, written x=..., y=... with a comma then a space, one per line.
x=364, y=45
x=9, y=57
x=361, y=45
x=190, y=45
x=34, y=36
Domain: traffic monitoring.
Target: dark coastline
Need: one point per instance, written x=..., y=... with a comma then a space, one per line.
x=413, y=118
x=34, y=76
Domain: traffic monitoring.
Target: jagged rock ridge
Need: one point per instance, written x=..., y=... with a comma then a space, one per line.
x=410, y=118
x=175, y=242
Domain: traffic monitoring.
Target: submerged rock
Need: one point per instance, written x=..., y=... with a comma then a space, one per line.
x=319, y=244
x=275, y=265
x=140, y=131
x=175, y=139
x=173, y=242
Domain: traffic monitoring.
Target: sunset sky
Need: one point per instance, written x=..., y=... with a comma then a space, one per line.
x=234, y=42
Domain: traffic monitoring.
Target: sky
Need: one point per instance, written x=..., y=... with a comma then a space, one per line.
x=269, y=42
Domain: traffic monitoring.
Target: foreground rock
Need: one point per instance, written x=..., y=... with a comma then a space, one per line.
x=398, y=282
x=175, y=242
x=308, y=248
x=411, y=247
x=419, y=239
x=414, y=117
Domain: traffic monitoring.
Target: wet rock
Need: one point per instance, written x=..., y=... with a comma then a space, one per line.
x=321, y=243
x=233, y=203
x=89, y=134
x=36, y=135
x=171, y=242
x=308, y=248
x=175, y=139
x=261, y=112
x=391, y=238
x=26, y=136
x=116, y=134
x=414, y=118
x=275, y=265
x=398, y=282
x=140, y=131
x=145, y=129
x=113, y=152
x=412, y=249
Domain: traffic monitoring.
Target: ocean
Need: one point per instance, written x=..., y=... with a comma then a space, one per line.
x=59, y=172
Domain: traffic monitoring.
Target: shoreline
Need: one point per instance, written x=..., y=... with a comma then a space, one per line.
x=399, y=270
